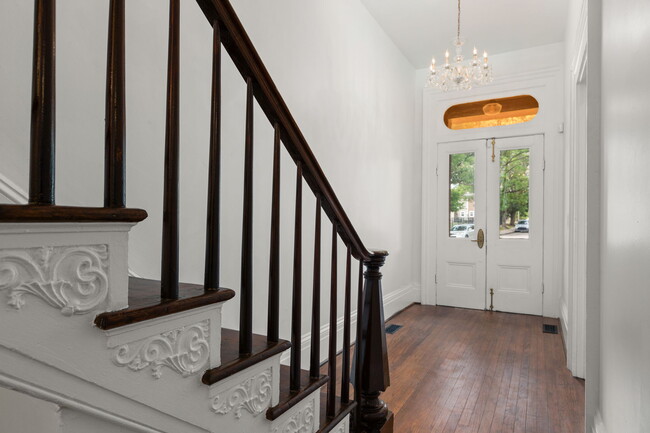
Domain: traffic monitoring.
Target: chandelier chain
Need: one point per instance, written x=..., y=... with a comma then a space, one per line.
x=458, y=32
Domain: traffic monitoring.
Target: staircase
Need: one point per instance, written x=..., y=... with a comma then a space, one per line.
x=129, y=354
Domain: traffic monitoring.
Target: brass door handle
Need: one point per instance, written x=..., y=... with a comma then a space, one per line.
x=480, y=238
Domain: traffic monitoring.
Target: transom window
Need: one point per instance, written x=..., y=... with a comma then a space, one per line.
x=492, y=112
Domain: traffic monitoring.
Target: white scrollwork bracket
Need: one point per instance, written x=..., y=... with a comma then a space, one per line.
x=253, y=395
x=73, y=278
x=184, y=350
x=301, y=422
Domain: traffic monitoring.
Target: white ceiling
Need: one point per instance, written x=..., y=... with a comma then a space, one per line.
x=425, y=28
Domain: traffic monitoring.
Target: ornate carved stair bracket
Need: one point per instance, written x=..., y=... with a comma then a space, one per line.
x=185, y=350
x=253, y=395
x=77, y=268
x=73, y=279
x=373, y=353
x=303, y=419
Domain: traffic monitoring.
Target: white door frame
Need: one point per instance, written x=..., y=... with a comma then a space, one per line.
x=573, y=307
x=546, y=85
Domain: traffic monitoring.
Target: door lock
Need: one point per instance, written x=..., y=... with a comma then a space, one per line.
x=480, y=238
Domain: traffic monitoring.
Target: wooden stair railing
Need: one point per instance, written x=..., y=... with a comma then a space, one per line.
x=369, y=370
x=371, y=375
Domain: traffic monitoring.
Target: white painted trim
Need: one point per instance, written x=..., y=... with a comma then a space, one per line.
x=393, y=302
x=64, y=401
x=576, y=213
x=599, y=424
x=32, y=376
x=541, y=84
x=399, y=299
x=12, y=191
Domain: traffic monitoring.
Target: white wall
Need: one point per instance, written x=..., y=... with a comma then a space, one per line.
x=625, y=322
x=21, y=413
x=348, y=86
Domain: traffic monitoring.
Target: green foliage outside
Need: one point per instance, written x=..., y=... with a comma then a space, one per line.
x=514, y=186
x=461, y=179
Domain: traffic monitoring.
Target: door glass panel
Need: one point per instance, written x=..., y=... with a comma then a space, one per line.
x=514, y=193
x=461, y=195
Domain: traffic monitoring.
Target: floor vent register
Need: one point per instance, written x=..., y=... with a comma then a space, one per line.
x=391, y=329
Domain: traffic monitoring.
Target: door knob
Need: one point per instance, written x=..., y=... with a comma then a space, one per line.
x=480, y=238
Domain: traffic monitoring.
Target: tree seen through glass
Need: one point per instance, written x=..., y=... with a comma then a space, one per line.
x=514, y=197
x=461, y=195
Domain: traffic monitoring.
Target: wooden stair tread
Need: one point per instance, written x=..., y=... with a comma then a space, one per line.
x=288, y=398
x=145, y=302
x=232, y=362
x=341, y=411
x=27, y=213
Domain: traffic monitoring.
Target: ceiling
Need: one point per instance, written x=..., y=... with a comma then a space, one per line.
x=425, y=28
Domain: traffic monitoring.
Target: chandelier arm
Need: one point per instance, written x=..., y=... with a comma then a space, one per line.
x=460, y=76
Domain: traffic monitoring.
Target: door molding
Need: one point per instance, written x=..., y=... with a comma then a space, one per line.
x=546, y=86
x=574, y=294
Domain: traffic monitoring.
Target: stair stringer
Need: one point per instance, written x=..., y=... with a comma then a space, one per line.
x=54, y=280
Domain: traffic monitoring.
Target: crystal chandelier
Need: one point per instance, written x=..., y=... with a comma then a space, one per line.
x=459, y=75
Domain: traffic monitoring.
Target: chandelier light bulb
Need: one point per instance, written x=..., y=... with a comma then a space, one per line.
x=460, y=75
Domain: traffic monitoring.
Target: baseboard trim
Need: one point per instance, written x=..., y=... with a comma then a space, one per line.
x=398, y=300
x=394, y=302
x=564, y=325
x=599, y=424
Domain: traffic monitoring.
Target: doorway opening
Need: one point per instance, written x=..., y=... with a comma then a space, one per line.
x=490, y=224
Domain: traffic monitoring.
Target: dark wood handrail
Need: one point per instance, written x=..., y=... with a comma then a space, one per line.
x=241, y=50
x=371, y=373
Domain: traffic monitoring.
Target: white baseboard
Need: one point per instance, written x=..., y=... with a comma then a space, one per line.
x=599, y=424
x=397, y=300
x=564, y=322
x=393, y=302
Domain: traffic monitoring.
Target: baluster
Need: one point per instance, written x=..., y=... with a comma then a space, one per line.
x=169, y=268
x=296, y=314
x=331, y=361
x=375, y=376
x=212, y=256
x=115, y=129
x=246, y=302
x=345, y=362
x=357, y=345
x=43, y=122
x=314, y=366
x=274, y=261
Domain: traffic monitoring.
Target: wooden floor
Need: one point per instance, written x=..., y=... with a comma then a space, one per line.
x=469, y=371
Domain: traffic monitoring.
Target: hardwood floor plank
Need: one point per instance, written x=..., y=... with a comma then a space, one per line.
x=468, y=371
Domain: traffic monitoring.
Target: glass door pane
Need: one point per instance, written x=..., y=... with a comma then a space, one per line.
x=461, y=195
x=514, y=194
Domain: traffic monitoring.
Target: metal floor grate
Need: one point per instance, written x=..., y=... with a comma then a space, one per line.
x=391, y=329
x=549, y=329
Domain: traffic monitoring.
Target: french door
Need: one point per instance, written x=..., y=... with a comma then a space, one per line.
x=490, y=224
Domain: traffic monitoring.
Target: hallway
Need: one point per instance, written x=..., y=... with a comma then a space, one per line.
x=470, y=371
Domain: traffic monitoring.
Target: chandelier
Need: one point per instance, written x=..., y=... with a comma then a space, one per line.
x=458, y=74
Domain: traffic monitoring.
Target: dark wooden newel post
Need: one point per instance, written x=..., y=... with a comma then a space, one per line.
x=373, y=353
